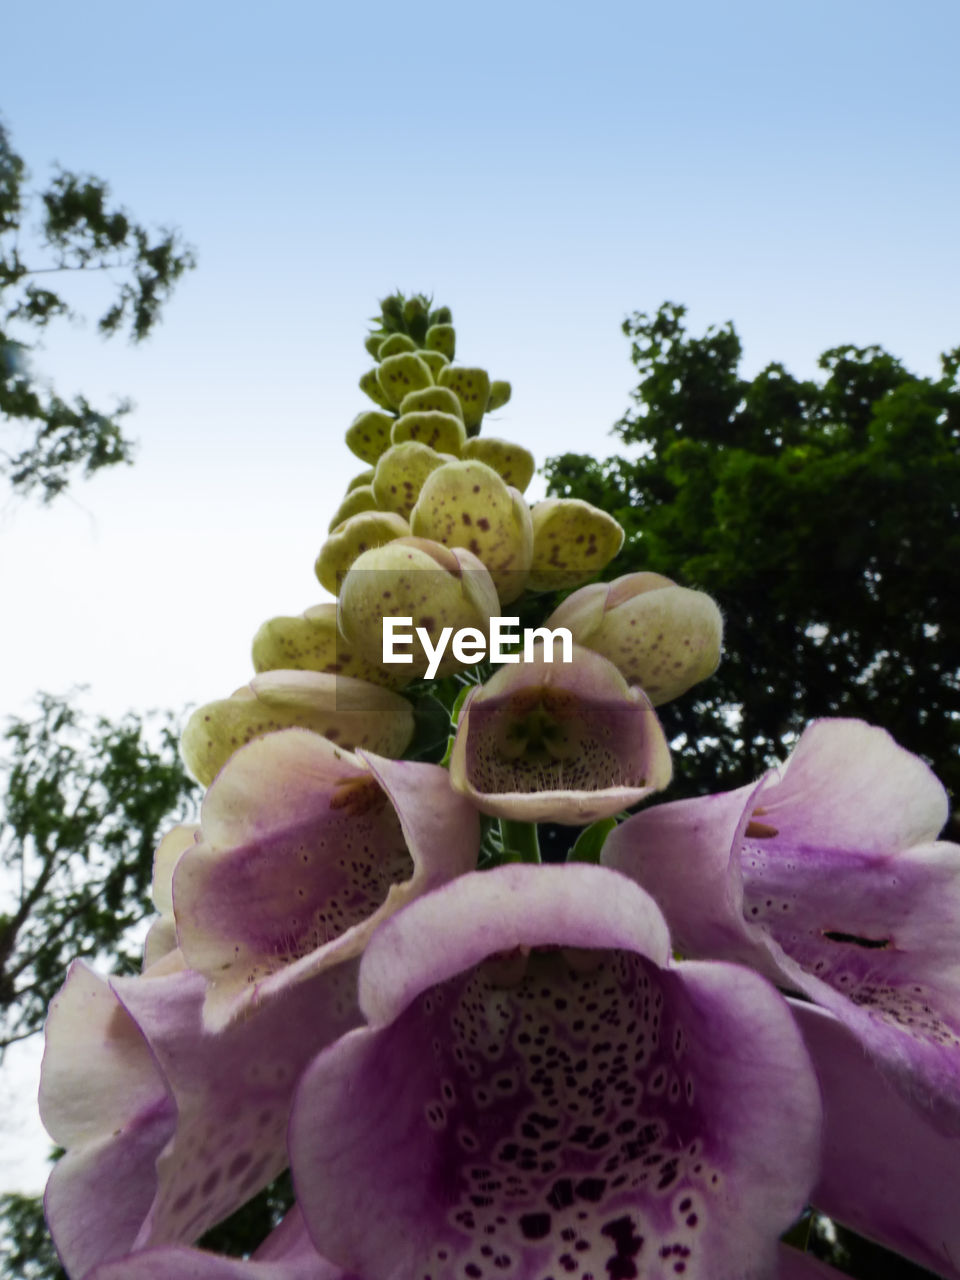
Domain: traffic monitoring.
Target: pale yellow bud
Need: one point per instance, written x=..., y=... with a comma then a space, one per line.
x=312, y=642
x=572, y=542
x=400, y=475
x=472, y=387
x=443, y=432
x=351, y=539
x=511, y=462
x=368, y=435
x=661, y=636
x=466, y=504
x=357, y=500
x=349, y=712
x=399, y=375
x=436, y=587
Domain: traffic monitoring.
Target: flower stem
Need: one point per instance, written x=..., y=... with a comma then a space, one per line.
x=520, y=843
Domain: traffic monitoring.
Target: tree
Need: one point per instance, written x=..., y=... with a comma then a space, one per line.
x=79, y=230
x=822, y=515
x=86, y=801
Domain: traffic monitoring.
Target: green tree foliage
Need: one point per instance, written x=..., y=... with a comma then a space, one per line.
x=86, y=801
x=822, y=515
x=77, y=230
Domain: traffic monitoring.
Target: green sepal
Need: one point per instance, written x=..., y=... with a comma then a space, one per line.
x=590, y=841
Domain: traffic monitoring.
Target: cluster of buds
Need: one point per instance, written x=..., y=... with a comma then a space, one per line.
x=476, y=1065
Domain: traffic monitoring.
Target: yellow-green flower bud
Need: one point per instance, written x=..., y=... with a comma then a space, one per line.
x=357, y=500
x=351, y=539
x=440, y=399
x=365, y=477
x=401, y=374
x=442, y=315
x=500, y=393
x=466, y=504
x=444, y=432
x=442, y=590
x=572, y=542
x=368, y=435
x=395, y=345
x=373, y=343
x=400, y=475
x=413, y=310
x=350, y=712
x=370, y=385
x=442, y=338
x=661, y=636
x=312, y=642
x=511, y=462
x=435, y=361
x=472, y=387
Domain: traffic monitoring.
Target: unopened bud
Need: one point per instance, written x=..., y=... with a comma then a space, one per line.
x=440, y=589
x=368, y=435
x=441, y=399
x=500, y=393
x=511, y=462
x=435, y=361
x=357, y=500
x=395, y=345
x=472, y=387
x=349, y=712
x=370, y=385
x=466, y=504
x=351, y=539
x=312, y=642
x=661, y=636
x=572, y=542
x=400, y=475
x=401, y=374
x=442, y=338
x=443, y=432
x=365, y=477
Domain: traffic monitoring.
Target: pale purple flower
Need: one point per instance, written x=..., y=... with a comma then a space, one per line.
x=558, y=741
x=887, y=1172
x=826, y=875
x=169, y=1129
x=541, y=1091
x=303, y=850
x=286, y=1254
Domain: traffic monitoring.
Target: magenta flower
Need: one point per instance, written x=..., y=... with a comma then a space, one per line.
x=169, y=1129
x=826, y=875
x=303, y=850
x=559, y=742
x=541, y=1091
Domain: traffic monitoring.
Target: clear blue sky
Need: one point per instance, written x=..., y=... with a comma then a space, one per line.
x=542, y=168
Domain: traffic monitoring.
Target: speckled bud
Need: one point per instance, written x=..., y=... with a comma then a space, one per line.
x=350, y=712
x=472, y=387
x=435, y=361
x=399, y=375
x=511, y=462
x=395, y=345
x=572, y=542
x=351, y=539
x=370, y=385
x=312, y=642
x=500, y=393
x=365, y=477
x=443, y=432
x=435, y=586
x=441, y=399
x=442, y=338
x=466, y=504
x=357, y=500
x=661, y=636
x=368, y=435
x=400, y=475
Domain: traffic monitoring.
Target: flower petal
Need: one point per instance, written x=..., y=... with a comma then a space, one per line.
x=806, y=876
x=886, y=1172
x=542, y=1092
x=286, y=1254
x=558, y=741
x=306, y=849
